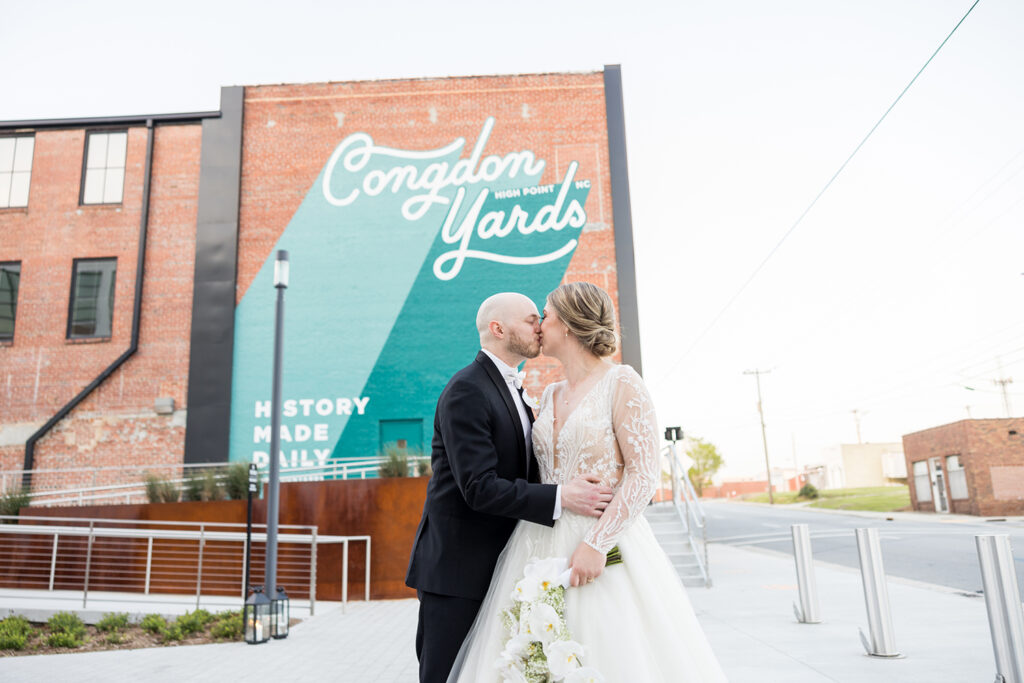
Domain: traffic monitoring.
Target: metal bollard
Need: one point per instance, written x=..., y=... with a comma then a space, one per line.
x=1002, y=599
x=808, y=611
x=876, y=596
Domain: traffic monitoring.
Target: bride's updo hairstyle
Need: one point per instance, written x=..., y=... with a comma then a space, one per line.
x=589, y=314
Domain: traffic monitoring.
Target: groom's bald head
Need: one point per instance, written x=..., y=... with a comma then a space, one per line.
x=508, y=323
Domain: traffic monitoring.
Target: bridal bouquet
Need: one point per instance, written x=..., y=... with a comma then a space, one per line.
x=539, y=647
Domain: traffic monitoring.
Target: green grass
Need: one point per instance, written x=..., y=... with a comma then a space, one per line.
x=875, y=498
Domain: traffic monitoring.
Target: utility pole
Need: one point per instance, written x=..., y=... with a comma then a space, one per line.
x=1001, y=383
x=856, y=419
x=764, y=437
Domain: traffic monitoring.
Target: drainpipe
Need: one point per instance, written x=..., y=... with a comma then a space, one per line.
x=140, y=269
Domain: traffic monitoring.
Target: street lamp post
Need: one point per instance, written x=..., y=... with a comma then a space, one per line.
x=764, y=437
x=273, y=485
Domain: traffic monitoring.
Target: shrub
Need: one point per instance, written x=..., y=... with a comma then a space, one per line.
x=112, y=621
x=115, y=638
x=172, y=632
x=62, y=639
x=424, y=468
x=228, y=626
x=15, y=633
x=161, y=490
x=808, y=491
x=236, y=482
x=203, y=486
x=12, y=502
x=193, y=622
x=396, y=461
x=66, y=622
x=154, y=623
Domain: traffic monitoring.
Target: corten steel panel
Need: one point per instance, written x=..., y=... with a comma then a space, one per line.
x=213, y=305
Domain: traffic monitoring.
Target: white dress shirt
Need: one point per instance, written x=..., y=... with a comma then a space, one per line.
x=509, y=373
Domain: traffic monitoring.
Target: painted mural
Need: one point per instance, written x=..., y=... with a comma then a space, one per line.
x=392, y=249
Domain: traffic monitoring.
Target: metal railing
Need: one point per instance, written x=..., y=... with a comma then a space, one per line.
x=690, y=511
x=129, y=485
x=154, y=556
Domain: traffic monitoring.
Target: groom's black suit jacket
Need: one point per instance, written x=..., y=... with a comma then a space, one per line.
x=484, y=480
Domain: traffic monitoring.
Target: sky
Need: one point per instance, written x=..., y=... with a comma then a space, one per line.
x=899, y=295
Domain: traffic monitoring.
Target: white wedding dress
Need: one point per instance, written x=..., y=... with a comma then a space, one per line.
x=635, y=620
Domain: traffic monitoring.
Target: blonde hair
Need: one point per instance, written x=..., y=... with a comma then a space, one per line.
x=589, y=314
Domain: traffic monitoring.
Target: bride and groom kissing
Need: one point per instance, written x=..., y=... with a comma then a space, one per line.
x=572, y=482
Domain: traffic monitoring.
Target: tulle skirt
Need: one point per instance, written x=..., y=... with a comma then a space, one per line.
x=634, y=621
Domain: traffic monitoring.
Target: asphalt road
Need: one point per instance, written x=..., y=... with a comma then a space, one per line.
x=939, y=551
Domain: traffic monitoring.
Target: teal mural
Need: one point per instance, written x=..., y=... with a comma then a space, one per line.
x=391, y=253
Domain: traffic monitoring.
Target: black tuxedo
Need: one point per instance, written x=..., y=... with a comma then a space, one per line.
x=485, y=479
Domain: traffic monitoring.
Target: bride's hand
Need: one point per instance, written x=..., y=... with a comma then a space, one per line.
x=587, y=564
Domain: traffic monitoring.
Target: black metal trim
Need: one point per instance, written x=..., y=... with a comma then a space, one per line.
x=622, y=217
x=211, y=352
x=114, y=121
x=140, y=270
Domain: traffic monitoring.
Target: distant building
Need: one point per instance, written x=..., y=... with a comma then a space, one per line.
x=855, y=465
x=973, y=467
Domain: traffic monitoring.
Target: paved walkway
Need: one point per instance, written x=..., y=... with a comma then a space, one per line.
x=748, y=617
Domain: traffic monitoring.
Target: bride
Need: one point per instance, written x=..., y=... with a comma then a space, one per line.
x=633, y=619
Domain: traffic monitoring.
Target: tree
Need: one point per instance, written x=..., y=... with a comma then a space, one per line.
x=706, y=461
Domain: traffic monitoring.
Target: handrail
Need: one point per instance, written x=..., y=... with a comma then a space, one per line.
x=339, y=469
x=691, y=512
x=224, y=569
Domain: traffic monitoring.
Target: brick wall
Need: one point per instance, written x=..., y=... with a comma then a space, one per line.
x=291, y=129
x=992, y=457
x=42, y=369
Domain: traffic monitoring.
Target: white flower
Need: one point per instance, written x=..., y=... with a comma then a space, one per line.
x=584, y=674
x=546, y=572
x=511, y=671
x=530, y=400
x=526, y=590
x=563, y=657
x=516, y=646
x=543, y=624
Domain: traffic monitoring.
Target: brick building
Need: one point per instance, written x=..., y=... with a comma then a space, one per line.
x=973, y=467
x=136, y=254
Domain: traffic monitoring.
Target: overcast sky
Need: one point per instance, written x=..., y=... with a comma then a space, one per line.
x=902, y=287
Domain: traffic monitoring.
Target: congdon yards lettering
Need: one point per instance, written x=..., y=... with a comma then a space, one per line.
x=439, y=177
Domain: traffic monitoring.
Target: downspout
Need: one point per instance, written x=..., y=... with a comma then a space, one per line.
x=140, y=269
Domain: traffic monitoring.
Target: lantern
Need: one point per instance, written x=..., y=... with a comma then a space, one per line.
x=256, y=617
x=281, y=614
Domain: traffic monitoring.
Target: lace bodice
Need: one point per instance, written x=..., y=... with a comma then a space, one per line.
x=612, y=433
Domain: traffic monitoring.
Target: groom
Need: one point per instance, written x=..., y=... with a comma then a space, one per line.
x=485, y=478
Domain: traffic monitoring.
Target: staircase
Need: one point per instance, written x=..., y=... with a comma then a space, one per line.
x=672, y=536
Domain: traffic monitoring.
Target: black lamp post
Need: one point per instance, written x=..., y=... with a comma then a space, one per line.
x=256, y=617
x=281, y=614
x=273, y=485
x=674, y=434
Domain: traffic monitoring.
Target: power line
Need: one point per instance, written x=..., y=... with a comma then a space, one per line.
x=810, y=206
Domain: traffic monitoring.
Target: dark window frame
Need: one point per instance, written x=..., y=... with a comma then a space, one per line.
x=32, y=164
x=5, y=265
x=85, y=165
x=71, y=297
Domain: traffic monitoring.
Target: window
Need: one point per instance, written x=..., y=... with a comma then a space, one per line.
x=103, y=177
x=957, y=478
x=15, y=170
x=922, y=482
x=10, y=273
x=92, y=298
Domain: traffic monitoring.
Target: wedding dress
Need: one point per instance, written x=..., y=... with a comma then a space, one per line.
x=635, y=620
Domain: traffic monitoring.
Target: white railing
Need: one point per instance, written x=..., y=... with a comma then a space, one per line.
x=177, y=474
x=204, y=558
x=690, y=511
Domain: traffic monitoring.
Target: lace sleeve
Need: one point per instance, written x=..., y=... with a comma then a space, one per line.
x=636, y=431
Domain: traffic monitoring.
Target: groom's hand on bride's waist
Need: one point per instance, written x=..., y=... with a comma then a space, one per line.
x=586, y=495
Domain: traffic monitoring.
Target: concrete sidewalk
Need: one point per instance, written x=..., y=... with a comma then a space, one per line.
x=748, y=616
